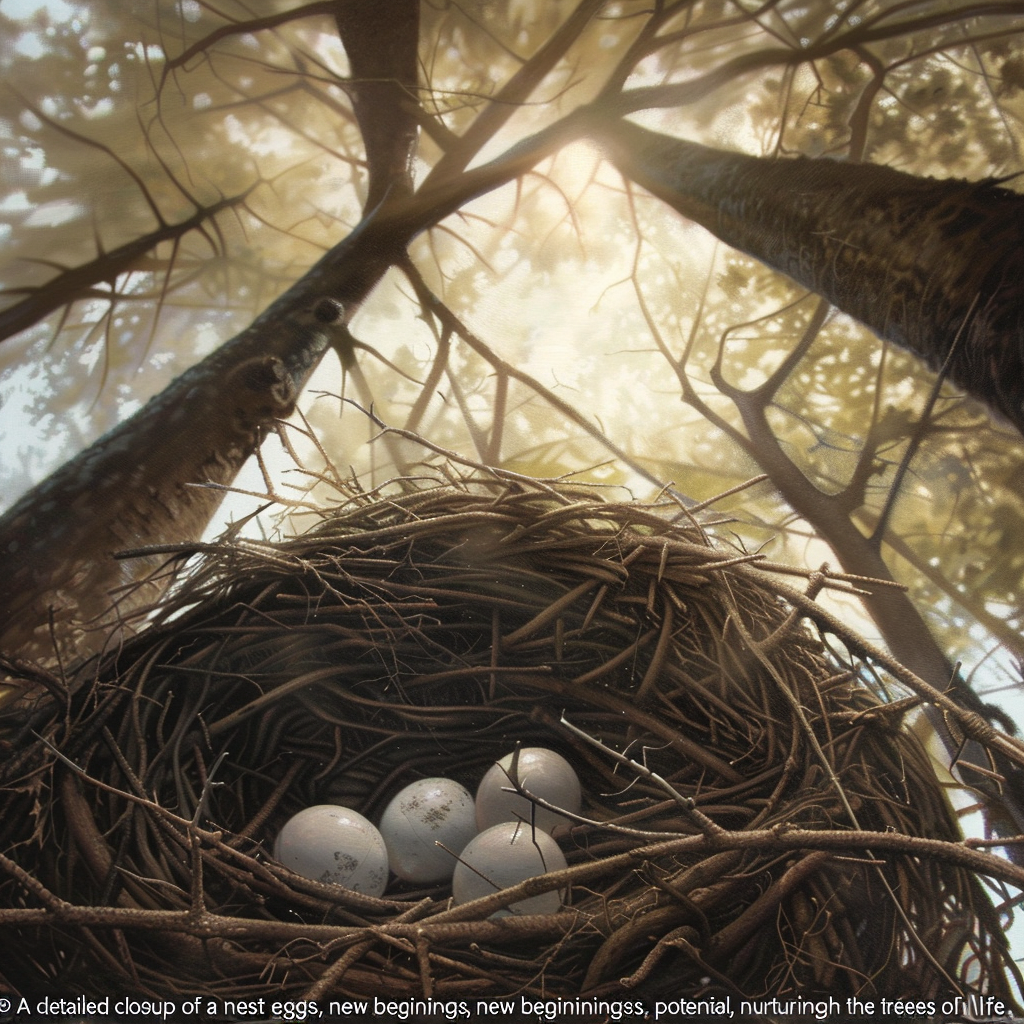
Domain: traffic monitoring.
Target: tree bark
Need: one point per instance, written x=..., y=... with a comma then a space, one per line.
x=935, y=266
x=62, y=586
x=853, y=233
x=381, y=40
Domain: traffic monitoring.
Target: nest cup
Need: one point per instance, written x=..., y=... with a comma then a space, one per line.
x=428, y=633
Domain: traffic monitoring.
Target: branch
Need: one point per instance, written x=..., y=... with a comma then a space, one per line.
x=691, y=91
x=514, y=92
x=453, y=324
x=1006, y=634
x=381, y=39
x=779, y=839
x=321, y=7
x=76, y=282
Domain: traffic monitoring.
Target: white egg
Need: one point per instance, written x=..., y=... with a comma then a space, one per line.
x=426, y=813
x=336, y=845
x=541, y=772
x=503, y=856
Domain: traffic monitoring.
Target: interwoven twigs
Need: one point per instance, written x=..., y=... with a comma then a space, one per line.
x=756, y=813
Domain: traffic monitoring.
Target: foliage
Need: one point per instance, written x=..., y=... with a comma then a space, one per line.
x=171, y=168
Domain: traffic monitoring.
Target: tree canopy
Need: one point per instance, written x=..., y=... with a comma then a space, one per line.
x=171, y=169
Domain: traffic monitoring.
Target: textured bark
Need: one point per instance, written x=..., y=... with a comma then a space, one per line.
x=915, y=259
x=141, y=484
x=381, y=39
x=135, y=486
x=912, y=258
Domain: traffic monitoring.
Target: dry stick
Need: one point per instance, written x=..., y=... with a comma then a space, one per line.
x=260, y=817
x=578, y=819
x=736, y=931
x=652, y=723
x=973, y=724
x=461, y=923
x=660, y=651
x=36, y=673
x=780, y=838
x=627, y=938
x=682, y=942
x=423, y=959
x=815, y=583
x=627, y=654
x=708, y=827
x=552, y=611
x=461, y=460
x=812, y=739
x=337, y=970
x=708, y=502
x=831, y=576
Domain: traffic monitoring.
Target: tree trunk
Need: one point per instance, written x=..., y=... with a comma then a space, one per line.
x=381, y=40
x=918, y=260
x=62, y=586
x=915, y=259
x=142, y=484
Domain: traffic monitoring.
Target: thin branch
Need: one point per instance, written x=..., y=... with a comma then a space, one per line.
x=76, y=282
x=514, y=92
x=920, y=431
x=317, y=9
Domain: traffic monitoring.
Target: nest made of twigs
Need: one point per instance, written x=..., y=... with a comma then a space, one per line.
x=757, y=818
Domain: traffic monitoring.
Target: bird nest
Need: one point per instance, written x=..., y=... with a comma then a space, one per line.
x=758, y=819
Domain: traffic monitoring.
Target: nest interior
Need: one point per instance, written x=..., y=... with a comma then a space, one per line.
x=732, y=759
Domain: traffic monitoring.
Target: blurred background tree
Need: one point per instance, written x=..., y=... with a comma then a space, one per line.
x=171, y=169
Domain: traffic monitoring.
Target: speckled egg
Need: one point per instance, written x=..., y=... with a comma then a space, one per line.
x=543, y=773
x=335, y=845
x=425, y=813
x=505, y=855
